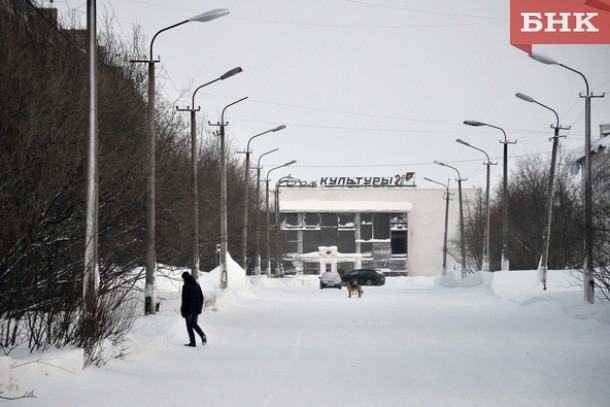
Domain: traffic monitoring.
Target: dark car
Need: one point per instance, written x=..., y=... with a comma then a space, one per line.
x=365, y=277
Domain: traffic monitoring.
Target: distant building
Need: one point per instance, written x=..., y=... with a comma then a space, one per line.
x=347, y=223
x=600, y=176
x=599, y=150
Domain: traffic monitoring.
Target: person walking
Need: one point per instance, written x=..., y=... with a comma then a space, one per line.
x=192, y=304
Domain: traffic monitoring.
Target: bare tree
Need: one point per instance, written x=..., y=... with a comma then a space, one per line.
x=526, y=203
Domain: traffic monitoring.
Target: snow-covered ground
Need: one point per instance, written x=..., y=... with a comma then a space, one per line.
x=495, y=339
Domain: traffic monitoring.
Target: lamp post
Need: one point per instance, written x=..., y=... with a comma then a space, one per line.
x=447, y=198
x=91, y=276
x=246, y=188
x=267, y=211
x=543, y=266
x=150, y=289
x=485, y=265
x=194, y=191
x=257, y=266
x=224, y=241
x=589, y=284
x=505, y=265
x=278, y=261
x=462, y=241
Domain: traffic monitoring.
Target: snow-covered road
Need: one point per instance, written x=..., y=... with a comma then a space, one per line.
x=285, y=342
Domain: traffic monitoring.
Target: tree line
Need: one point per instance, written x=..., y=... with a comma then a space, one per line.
x=43, y=132
x=527, y=197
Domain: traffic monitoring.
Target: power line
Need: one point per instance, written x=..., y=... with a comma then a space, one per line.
x=350, y=26
x=438, y=13
x=416, y=164
x=54, y=27
x=360, y=114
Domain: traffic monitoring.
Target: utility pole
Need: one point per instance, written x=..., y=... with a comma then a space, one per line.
x=589, y=282
x=194, y=189
x=543, y=266
x=91, y=277
x=246, y=192
x=447, y=198
x=150, y=287
x=257, y=234
x=462, y=241
x=224, y=241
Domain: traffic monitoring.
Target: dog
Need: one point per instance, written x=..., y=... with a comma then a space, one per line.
x=353, y=287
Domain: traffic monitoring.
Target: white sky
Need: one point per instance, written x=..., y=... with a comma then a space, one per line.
x=371, y=87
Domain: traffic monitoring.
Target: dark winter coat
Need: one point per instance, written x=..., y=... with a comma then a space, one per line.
x=192, y=297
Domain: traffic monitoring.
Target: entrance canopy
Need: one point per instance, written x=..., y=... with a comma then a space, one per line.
x=340, y=200
x=328, y=258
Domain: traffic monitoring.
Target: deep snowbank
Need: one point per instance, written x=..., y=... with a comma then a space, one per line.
x=165, y=332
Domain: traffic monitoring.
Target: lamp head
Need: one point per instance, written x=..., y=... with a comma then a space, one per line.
x=291, y=162
x=543, y=58
x=209, y=15
x=462, y=142
x=280, y=127
x=230, y=73
x=439, y=163
x=525, y=97
x=473, y=123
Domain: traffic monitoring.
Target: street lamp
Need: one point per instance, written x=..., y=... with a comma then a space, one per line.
x=246, y=188
x=485, y=265
x=504, y=263
x=91, y=278
x=267, y=211
x=447, y=198
x=543, y=266
x=589, y=284
x=150, y=289
x=462, y=241
x=224, y=281
x=194, y=192
x=257, y=265
x=278, y=254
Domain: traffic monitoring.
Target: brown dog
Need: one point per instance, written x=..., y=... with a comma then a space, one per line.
x=353, y=287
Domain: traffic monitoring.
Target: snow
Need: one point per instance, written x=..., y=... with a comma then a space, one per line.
x=575, y=156
x=492, y=339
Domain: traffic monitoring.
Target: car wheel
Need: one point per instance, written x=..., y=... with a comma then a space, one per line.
x=369, y=282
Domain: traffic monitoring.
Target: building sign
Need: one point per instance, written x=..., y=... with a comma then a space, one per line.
x=559, y=22
x=395, y=180
x=398, y=180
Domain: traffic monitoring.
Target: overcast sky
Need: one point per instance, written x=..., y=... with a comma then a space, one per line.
x=367, y=88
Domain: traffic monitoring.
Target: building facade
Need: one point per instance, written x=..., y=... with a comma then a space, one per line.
x=385, y=225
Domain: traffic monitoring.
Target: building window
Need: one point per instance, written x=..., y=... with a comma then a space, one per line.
x=346, y=241
x=311, y=240
x=329, y=220
x=398, y=227
x=346, y=221
x=291, y=221
x=399, y=242
x=366, y=226
x=398, y=221
x=312, y=221
x=381, y=225
x=291, y=244
x=328, y=231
